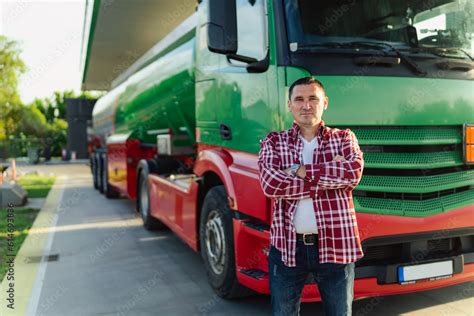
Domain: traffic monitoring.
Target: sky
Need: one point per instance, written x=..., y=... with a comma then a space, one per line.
x=49, y=34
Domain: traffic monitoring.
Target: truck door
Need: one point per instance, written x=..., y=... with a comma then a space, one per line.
x=244, y=106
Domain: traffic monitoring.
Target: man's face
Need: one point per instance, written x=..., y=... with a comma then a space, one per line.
x=307, y=104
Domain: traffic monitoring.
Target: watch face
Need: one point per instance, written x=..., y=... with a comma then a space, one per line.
x=294, y=169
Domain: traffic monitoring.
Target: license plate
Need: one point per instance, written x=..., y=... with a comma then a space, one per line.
x=425, y=271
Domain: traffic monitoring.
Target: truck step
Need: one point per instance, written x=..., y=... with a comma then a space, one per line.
x=258, y=226
x=255, y=274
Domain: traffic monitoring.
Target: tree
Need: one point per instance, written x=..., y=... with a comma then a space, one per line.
x=55, y=107
x=41, y=123
x=60, y=102
x=56, y=137
x=11, y=67
x=32, y=123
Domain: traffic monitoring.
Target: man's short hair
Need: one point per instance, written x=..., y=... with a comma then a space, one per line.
x=306, y=81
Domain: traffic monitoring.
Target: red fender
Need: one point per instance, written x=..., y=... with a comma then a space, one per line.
x=239, y=172
x=217, y=161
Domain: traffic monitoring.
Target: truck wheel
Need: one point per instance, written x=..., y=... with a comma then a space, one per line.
x=94, y=171
x=217, y=245
x=143, y=196
x=109, y=192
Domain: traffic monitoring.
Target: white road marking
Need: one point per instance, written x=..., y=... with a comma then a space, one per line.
x=38, y=286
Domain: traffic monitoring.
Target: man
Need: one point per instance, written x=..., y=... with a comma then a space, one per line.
x=310, y=171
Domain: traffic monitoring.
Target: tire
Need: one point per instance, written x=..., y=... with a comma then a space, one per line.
x=143, y=196
x=109, y=192
x=100, y=172
x=217, y=245
x=94, y=171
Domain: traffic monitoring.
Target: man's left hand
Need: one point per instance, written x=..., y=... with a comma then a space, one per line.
x=301, y=172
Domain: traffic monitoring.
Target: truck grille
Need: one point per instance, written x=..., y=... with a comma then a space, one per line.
x=412, y=171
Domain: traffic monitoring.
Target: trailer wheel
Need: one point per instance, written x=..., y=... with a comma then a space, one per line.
x=100, y=171
x=217, y=245
x=94, y=171
x=143, y=196
x=109, y=192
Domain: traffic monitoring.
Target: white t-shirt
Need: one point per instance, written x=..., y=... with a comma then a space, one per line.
x=304, y=218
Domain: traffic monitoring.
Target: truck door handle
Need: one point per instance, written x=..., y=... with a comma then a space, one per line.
x=226, y=133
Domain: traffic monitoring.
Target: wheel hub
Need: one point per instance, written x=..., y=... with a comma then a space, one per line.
x=215, y=242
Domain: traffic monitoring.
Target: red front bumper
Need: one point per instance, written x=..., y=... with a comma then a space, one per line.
x=370, y=226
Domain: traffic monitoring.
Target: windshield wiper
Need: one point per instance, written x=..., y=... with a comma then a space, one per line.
x=369, y=44
x=441, y=51
x=343, y=45
x=413, y=65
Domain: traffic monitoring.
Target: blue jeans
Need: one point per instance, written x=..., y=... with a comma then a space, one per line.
x=335, y=282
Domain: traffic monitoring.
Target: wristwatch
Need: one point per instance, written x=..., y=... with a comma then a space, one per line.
x=294, y=169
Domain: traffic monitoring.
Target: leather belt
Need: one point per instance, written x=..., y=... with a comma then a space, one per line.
x=308, y=239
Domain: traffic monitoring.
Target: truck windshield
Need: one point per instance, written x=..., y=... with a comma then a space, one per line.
x=438, y=25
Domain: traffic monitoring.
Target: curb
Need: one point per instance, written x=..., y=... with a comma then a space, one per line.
x=28, y=276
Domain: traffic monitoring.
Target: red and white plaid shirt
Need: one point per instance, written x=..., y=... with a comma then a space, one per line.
x=329, y=183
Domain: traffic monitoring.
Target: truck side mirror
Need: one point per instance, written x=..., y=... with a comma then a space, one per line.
x=222, y=27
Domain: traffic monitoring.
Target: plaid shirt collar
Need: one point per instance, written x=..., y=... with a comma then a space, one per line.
x=295, y=131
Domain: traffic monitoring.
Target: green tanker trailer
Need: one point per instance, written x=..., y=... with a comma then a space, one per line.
x=180, y=133
x=153, y=102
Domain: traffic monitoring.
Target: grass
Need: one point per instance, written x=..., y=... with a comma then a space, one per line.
x=23, y=219
x=36, y=186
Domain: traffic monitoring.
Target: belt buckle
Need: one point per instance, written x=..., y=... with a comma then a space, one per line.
x=304, y=240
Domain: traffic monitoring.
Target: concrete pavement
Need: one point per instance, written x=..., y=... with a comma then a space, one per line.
x=103, y=262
